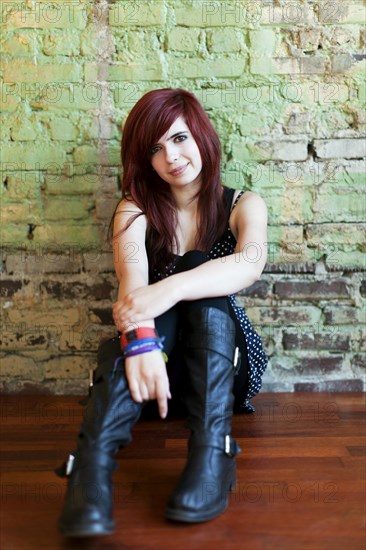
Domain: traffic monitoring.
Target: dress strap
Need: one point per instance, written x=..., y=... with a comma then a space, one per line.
x=236, y=200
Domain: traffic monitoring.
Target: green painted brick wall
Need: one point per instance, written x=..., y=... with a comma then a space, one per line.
x=284, y=84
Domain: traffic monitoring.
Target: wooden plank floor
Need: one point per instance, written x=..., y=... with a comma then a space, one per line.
x=301, y=477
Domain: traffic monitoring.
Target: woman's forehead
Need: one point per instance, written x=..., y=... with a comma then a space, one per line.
x=179, y=125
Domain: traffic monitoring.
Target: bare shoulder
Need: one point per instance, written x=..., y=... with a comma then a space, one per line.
x=128, y=213
x=250, y=209
x=249, y=202
x=126, y=206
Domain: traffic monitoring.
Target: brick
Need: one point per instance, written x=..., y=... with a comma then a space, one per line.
x=24, y=71
x=323, y=234
x=138, y=14
x=183, y=39
x=105, y=207
x=290, y=149
x=14, y=234
x=81, y=96
x=281, y=315
x=309, y=38
x=32, y=156
x=359, y=361
x=342, y=385
x=260, y=289
x=313, y=290
x=104, y=315
x=263, y=42
x=61, y=42
x=43, y=260
x=347, y=260
x=45, y=318
x=342, y=207
x=290, y=208
x=21, y=336
x=10, y=287
x=74, y=185
x=17, y=386
x=80, y=338
x=119, y=72
x=9, y=98
x=27, y=212
x=224, y=40
x=228, y=66
x=363, y=288
x=44, y=15
x=100, y=262
x=87, y=154
x=21, y=43
x=21, y=186
x=68, y=366
x=323, y=93
x=77, y=289
x=322, y=365
x=288, y=268
x=341, y=12
x=209, y=14
x=319, y=341
x=341, y=63
x=343, y=315
x=288, y=66
x=63, y=209
x=340, y=148
x=62, y=129
x=287, y=14
x=18, y=365
x=79, y=236
x=25, y=130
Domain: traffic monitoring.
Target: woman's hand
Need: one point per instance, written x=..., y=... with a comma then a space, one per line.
x=147, y=379
x=145, y=303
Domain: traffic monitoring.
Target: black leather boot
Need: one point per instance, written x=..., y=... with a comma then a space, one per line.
x=208, y=350
x=109, y=417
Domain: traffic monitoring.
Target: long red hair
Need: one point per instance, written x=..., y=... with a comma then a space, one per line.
x=150, y=118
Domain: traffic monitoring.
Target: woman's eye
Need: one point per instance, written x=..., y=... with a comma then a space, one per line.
x=181, y=138
x=154, y=150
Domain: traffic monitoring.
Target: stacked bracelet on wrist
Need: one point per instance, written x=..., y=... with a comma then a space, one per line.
x=141, y=340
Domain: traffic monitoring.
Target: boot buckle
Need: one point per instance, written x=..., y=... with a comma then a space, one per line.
x=228, y=449
x=69, y=465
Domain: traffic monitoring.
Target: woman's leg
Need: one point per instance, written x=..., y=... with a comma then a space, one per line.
x=208, y=344
x=191, y=260
x=109, y=417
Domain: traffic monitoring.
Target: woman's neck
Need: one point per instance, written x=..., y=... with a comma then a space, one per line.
x=184, y=197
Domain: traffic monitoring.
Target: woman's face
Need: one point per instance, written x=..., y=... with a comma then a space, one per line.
x=176, y=157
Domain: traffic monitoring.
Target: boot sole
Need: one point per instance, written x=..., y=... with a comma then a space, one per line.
x=194, y=517
x=186, y=516
x=85, y=530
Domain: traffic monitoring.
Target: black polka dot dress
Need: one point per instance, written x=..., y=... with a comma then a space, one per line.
x=257, y=358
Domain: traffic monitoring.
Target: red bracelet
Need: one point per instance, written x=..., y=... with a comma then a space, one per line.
x=137, y=334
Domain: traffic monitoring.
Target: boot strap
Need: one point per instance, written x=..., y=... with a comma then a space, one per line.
x=101, y=459
x=225, y=443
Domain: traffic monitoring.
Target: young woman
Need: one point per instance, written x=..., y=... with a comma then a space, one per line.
x=184, y=244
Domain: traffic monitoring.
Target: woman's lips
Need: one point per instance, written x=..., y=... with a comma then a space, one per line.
x=178, y=171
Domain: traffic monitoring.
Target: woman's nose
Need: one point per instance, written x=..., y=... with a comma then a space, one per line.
x=171, y=154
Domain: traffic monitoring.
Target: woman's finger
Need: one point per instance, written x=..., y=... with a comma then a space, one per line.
x=162, y=397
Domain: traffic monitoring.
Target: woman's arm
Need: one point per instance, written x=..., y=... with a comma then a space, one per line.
x=146, y=373
x=129, y=257
x=232, y=273
x=220, y=277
